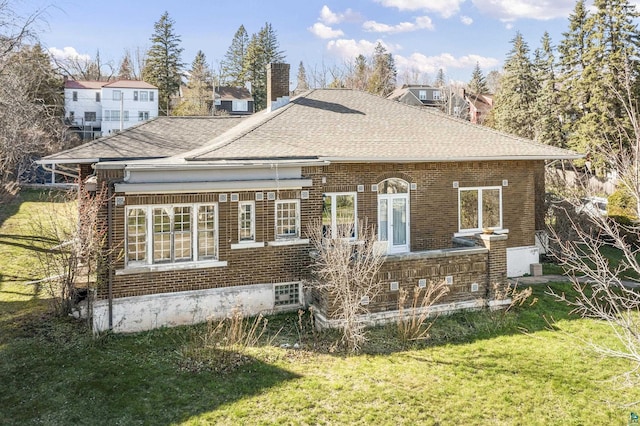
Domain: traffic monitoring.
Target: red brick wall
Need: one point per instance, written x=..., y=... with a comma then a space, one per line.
x=433, y=217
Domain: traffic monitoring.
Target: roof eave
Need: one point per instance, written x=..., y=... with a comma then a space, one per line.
x=449, y=159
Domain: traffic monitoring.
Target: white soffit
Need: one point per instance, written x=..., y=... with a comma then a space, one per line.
x=240, y=185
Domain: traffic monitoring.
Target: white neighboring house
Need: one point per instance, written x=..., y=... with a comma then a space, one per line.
x=100, y=108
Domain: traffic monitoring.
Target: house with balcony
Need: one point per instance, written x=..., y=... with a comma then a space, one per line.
x=96, y=108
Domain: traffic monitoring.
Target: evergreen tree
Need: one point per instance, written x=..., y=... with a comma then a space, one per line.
x=263, y=49
x=125, y=72
x=233, y=64
x=359, y=74
x=440, y=80
x=609, y=56
x=548, y=127
x=164, y=65
x=383, y=74
x=199, y=89
x=517, y=95
x=303, y=83
x=478, y=84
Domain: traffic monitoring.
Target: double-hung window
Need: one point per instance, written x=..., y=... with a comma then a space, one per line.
x=135, y=95
x=287, y=219
x=117, y=95
x=144, y=96
x=143, y=115
x=246, y=222
x=479, y=208
x=171, y=234
x=339, y=217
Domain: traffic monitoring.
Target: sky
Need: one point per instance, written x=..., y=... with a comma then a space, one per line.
x=422, y=35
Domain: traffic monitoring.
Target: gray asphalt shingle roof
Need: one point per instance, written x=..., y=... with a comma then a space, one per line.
x=341, y=124
x=157, y=138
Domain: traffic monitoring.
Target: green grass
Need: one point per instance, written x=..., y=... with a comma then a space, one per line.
x=478, y=368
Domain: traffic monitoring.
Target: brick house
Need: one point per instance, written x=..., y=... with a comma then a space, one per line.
x=222, y=226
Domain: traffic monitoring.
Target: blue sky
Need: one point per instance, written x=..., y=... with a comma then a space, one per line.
x=423, y=35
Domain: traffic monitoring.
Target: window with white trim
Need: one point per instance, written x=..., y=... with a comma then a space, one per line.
x=422, y=95
x=479, y=208
x=143, y=115
x=339, y=215
x=436, y=95
x=246, y=222
x=144, y=96
x=287, y=219
x=151, y=96
x=74, y=96
x=135, y=95
x=136, y=236
x=171, y=234
x=117, y=95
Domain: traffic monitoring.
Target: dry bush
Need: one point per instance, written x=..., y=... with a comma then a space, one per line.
x=222, y=345
x=346, y=272
x=412, y=322
x=75, y=238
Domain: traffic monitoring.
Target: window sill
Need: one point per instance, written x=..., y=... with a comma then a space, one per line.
x=291, y=242
x=479, y=231
x=171, y=267
x=247, y=245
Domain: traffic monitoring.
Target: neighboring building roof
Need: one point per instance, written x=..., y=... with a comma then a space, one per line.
x=82, y=84
x=156, y=138
x=348, y=125
x=130, y=84
x=124, y=84
x=228, y=93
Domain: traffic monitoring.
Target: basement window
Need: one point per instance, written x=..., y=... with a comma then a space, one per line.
x=286, y=294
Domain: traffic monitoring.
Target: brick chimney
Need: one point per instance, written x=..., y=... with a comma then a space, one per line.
x=277, y=85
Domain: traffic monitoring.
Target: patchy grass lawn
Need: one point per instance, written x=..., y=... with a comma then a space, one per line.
x=478, y=368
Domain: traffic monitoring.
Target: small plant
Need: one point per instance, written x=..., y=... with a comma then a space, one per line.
x=412, y=323
x=222, y=345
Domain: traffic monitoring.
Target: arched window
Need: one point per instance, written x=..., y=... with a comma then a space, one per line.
x=393, y=214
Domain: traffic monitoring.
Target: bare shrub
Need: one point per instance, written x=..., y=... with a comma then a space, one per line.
x=346, y=273
x=412, y=322
x=75, y=239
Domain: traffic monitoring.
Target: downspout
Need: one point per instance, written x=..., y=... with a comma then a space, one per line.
x=110, y=252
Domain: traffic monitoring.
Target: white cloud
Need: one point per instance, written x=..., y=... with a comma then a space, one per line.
x=446, y=8
x=68, y=53
x=421, y=22
x=510, y=10
x=329, y=17
x=349, y=49
x=431, y=64
x=466, y=20
x=323, y=31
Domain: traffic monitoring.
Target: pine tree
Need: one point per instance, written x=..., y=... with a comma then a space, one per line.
x=359, y=74
x=383, y=74
x=440, y=80
x=263, y=49
x=200, y=89
x=125, y=72
x=518, y=90
x=548, y=127
x=233, y=71
x=478, y=84
x=164, y=64
x=605, y=49
x=303, y=83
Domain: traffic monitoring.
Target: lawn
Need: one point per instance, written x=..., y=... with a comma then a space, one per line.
x=477, y=368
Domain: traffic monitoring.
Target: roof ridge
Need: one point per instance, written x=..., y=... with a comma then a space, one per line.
x=264, y=118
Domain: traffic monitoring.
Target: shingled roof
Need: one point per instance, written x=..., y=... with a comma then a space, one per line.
x=348, y=125
x=157, y=138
